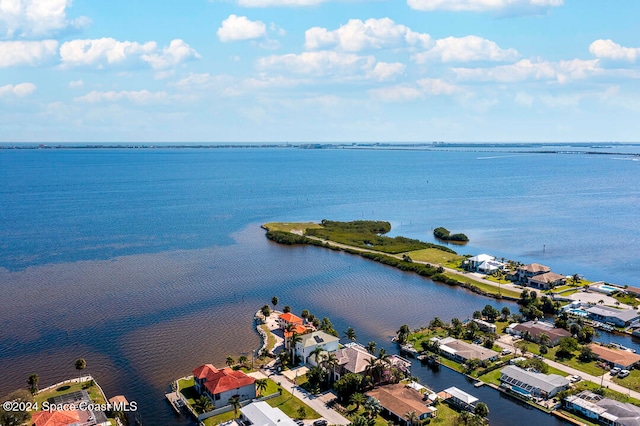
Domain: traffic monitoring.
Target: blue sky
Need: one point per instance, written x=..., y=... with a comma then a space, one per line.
x=319, y=70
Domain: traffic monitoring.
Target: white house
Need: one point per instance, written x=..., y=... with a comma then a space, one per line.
x=318, y=339
x=221, y=385
x=262, y=414
x=619, y=317
x=529, y=383
x=474, y=263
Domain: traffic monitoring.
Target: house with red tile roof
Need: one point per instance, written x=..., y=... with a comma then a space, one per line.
x=288, y=318
x=221, y=385
x=55, y=418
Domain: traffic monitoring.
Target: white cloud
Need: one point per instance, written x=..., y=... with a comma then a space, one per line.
x=176, y=53
x=267, y=3
x=19, y=90
x=525, y=69
x=400, y=93
x=76, y=83
x=323, y=63
x=517, y=6
x=608, y=49
x=236, y=28
x=384, y=71
x=104, y=52
x=356, y=36
x=465, y=49
x=437, y=86
x=36, y=18
x=137, y=97
x=15, y=53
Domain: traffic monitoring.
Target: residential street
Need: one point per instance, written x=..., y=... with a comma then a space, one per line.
x=506, y=342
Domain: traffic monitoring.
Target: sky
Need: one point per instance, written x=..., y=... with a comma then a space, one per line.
x=319, y=71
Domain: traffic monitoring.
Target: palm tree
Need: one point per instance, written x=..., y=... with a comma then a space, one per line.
x=234, y=401
x=357, y=398
x=32, y=381
x=203, y=404
x=411, y=417
x=373, y=407
x=261, y=385
x=81, y=364
x=304, y=314
x=230, y=361
x=600, y=302
x=295, y=338
x=317, y=354
x=371, y=347
x=243, y=360
x=403, y=334
x=481, y=410
x=351, y=334
x=371, y=369
x=383, y=356
x=329, y=363
x=284, y=358
x=274, y=301
x=544, y=340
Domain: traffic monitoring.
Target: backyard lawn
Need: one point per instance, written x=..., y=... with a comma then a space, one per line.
x=93, y=391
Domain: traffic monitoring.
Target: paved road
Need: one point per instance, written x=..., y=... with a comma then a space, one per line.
x=472, y=276
x=317, y=402
x=506, y=342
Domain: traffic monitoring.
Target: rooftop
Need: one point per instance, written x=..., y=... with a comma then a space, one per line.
x=262, y=414
x=534, y=268
x=481, y=258
x=353, y=358
x=547, y=277
x=317, y=338
x=466, y=350
x=529, y=380
x=536, y=328
x=400, y=399
x=615, y=356
x=606, y=311
x=290, y=318
x=218, y=381
x=459, y=394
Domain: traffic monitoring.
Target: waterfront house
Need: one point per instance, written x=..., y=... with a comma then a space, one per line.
x=289, y=319
x=262, y=414
x=633, y=291
x=616, y=357
x=318, y=339
x=352, y=358
x=462, y=351
x=534, y=329
x=547, y=280
x=397, y=400
x=458, y=398
x=602, y=410
x=525, y=272
x=86, y=417
x=481, y=263
x=618, y=317
x=532, y=384
x=485, y=326
x=221, y=385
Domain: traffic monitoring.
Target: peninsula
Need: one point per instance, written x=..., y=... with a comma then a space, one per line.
x=367, y=238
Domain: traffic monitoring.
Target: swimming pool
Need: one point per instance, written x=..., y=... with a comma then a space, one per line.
x=578, y=312
x=609, y=288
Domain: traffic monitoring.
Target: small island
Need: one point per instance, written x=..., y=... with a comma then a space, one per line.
x=444, y=235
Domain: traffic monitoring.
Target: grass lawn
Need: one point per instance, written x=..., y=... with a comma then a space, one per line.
x=485, y=287
x=435, y=256
x=632, y=381
x=587, y=367
x=187, y=388
x=583, y=420
x=492, y=377
x=380, y=421
x=290, y=226
x=446, y=416
x=271, y=339
x=496, y=280
x=626, y=299
x=93, y=391
x=609, y=393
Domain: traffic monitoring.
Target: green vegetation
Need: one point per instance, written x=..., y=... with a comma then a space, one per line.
x=626, y=299
x=436, y=256
x=632, y=381
x=187, y=388
x=90, y=386
x=444, y=234
x=294, y=227
x=606, y=392
x=367, y=234
x=271, y=339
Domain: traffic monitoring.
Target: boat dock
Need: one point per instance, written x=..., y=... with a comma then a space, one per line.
x=175, y=401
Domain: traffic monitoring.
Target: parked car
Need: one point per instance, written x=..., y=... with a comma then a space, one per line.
x=623, y=373
x=320, y=422
x=505, y=352
x=614, y=371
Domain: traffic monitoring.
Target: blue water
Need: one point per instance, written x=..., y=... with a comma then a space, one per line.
x=150, y=262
